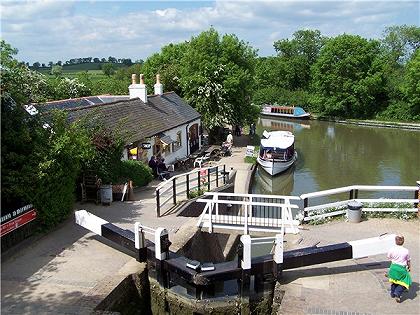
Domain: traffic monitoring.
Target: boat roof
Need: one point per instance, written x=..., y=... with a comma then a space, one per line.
x=278, y=139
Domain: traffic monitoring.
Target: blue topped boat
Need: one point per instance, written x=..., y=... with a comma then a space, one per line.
x=285, y=111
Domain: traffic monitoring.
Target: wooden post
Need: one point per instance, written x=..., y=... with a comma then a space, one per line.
x=157, y=203
x=351, y=194
x=188, y=186
x=174, y=190
x=224, y=174
x=217, y=176
x=356, y=193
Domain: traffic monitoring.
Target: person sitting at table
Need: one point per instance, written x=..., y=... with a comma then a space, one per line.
x=153, y=165
x=162, y=169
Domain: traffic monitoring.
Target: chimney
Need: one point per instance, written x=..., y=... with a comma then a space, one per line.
x=138, y=90
x=158, y=86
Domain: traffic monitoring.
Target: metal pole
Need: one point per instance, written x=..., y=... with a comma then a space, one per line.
x=217, y=176
x=199, y=180
x=188, y=186
x=157, y=203
x=224, y=174
x=305, y=205
x=208, y=179
x=174, y=190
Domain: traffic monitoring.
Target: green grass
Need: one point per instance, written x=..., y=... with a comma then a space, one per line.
x=253, y=159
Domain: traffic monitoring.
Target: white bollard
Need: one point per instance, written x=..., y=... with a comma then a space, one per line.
x=158, y=245
x=278, y=249
x=246, y=260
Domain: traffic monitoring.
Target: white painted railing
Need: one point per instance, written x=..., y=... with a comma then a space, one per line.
x=315, y=212
x=244, y=212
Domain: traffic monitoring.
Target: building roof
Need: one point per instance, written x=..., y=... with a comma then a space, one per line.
x=80, y=102
x=139, y=120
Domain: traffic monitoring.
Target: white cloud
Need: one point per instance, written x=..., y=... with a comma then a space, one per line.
x=55, y=30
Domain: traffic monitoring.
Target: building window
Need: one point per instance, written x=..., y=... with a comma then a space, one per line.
x=178, y=143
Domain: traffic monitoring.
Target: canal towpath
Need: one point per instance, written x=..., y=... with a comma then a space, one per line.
x=70, y=269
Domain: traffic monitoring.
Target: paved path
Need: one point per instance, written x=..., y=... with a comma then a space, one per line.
x=351, y=286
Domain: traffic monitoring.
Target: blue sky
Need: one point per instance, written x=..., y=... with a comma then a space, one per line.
x=48, y=30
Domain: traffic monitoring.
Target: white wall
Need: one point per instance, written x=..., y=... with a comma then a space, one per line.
x=182, y=152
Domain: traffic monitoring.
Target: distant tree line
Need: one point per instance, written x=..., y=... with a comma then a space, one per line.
x=74, y=61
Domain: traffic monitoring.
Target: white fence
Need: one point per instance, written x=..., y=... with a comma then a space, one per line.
x=243, y=212
x=338, y=207
x=270, y=213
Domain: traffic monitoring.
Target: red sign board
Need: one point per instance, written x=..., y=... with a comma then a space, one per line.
x=18, y=222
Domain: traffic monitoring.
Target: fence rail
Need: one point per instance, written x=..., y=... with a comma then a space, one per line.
x=179, y=187
x=238, y=211
x=312, y=212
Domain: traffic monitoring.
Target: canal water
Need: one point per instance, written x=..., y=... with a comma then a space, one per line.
x=332, y=155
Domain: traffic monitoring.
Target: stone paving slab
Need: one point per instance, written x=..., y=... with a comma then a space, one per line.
x=356, y=286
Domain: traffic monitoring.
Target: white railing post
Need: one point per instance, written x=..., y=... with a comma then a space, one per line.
x=246, y=245
x=245, y=262
x=250, y=205
x=139, y=242
x=246, y=219
x=161, y=250
x=161, y=253
x=278, y=249
x=210, y=216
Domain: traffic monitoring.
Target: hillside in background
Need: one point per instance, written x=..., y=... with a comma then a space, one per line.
x=88, y=66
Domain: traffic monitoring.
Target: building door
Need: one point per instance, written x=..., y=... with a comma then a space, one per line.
x=193, y=138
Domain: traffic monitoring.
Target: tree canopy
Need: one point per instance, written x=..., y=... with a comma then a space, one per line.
x=348, y=77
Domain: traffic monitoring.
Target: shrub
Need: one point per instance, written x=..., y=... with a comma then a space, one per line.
x=138, y=172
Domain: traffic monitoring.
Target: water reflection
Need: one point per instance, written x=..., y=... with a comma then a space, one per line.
x=285, y=125
x=334, y=155
x=282, y=184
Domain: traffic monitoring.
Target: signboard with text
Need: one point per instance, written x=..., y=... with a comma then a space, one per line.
x=17, y=218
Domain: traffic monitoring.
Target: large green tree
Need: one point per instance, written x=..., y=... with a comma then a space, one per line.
x=401, y=41
x=217, y=74
x=297, y=56
x=348, y=78
x=167, y=63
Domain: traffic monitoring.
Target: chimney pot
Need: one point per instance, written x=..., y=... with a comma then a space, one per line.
x=158, y=86
x=133, y=78
x=138, y=90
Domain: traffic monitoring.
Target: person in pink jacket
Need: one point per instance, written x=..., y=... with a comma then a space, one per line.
x=399, y=271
